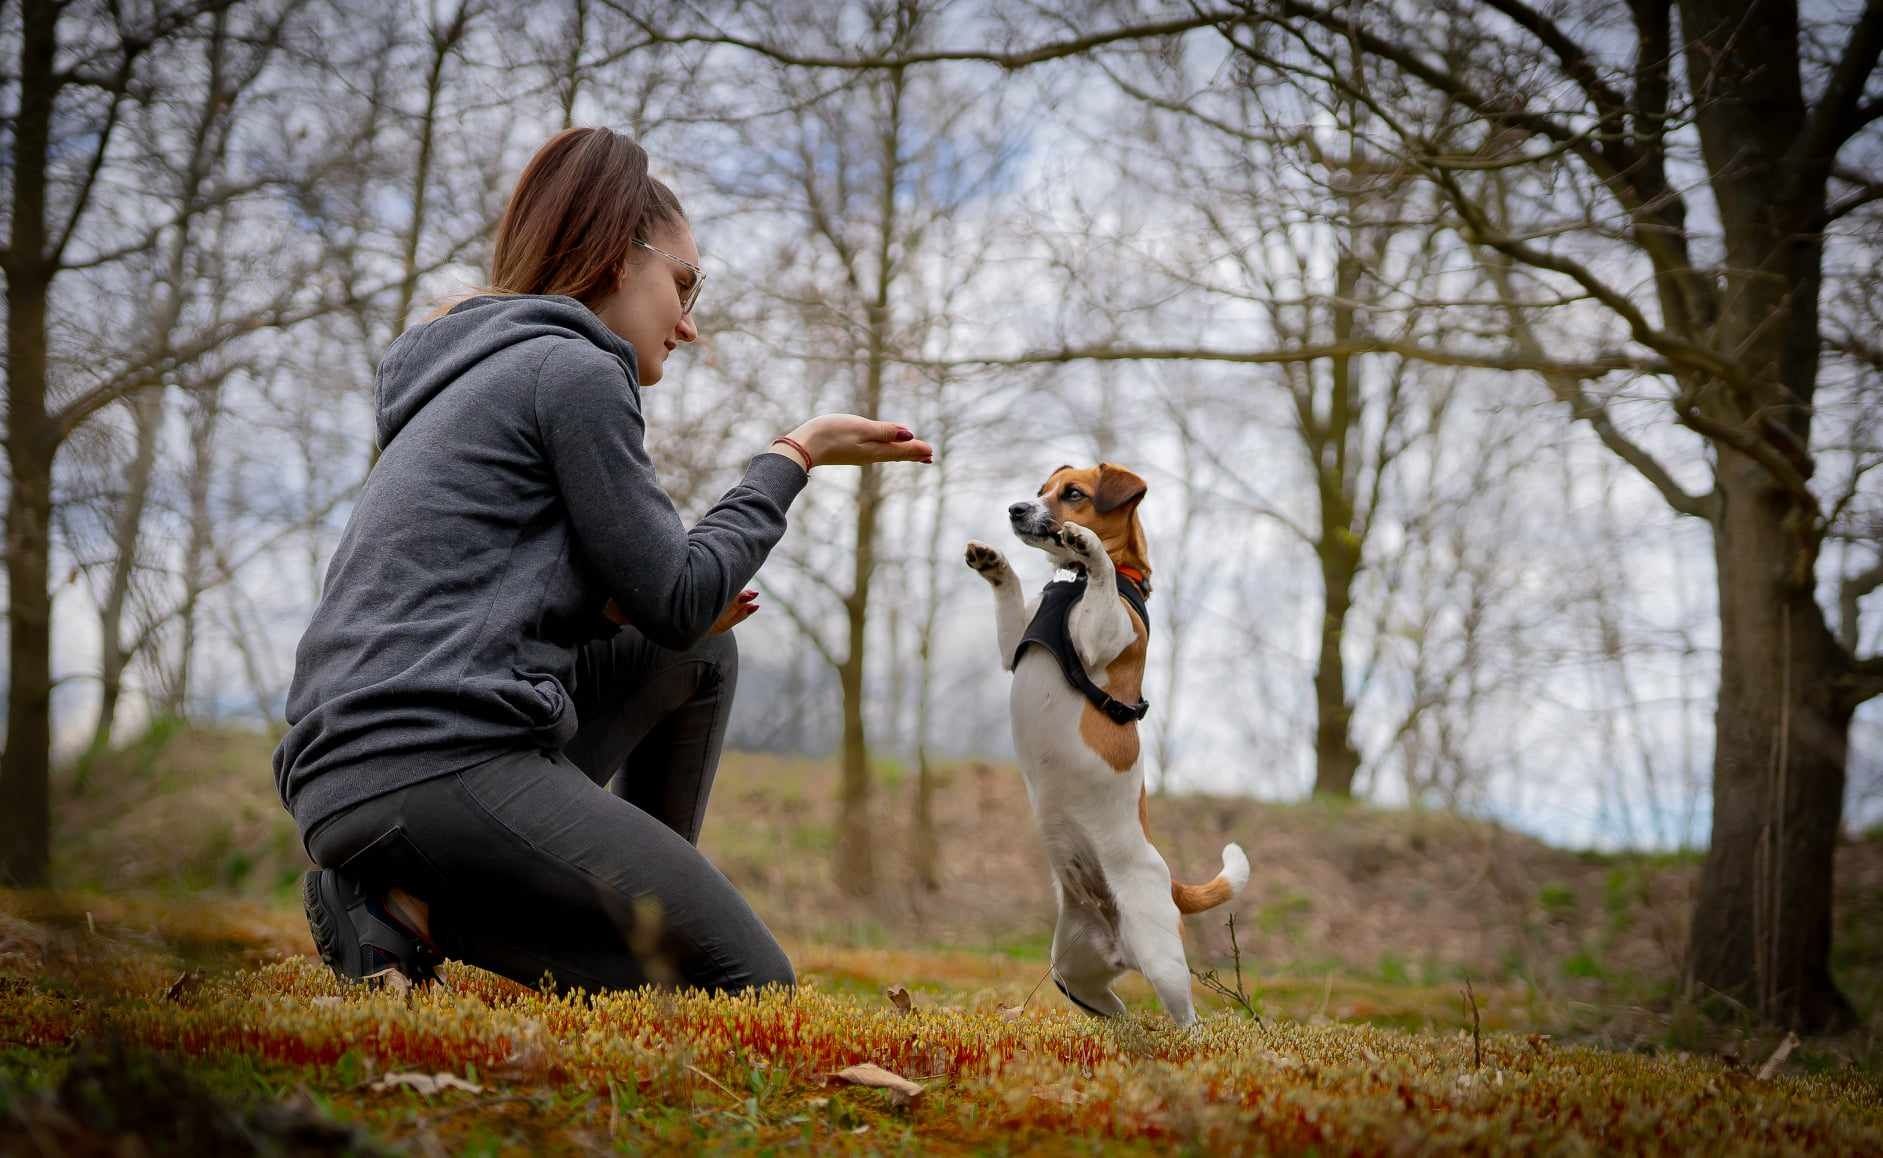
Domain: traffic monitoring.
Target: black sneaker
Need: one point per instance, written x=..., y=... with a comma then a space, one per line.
x=358, y=938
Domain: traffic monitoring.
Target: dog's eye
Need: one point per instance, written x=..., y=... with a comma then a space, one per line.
x=1072, y=494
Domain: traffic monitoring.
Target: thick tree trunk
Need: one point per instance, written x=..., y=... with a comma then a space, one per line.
x=1762, y=922
x=25, y=772
x=25, y=767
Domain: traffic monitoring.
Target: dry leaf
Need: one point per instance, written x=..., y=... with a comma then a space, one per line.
x=426, y=1084
x=902, y=1091
x=392, y=979
x=1065, y=1097
x=527, y=1056
x=899, y=997
x=1778, y=1057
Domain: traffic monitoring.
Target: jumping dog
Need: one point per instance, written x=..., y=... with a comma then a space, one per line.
x=1077, y=656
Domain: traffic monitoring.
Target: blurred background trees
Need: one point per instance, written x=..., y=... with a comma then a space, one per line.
x=1506, y=380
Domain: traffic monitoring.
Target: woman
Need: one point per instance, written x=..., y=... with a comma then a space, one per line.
x=515, y=618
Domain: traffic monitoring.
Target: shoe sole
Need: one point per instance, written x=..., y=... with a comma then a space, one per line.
x=324, y=926
x=321, y=902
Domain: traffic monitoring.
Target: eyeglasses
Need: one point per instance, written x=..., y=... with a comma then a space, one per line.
x=692, y=292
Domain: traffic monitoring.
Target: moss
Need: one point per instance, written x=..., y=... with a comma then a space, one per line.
x=1557, y=900
x=1583, y=965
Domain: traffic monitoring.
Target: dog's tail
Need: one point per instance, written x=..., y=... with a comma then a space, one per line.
x=1229, y=882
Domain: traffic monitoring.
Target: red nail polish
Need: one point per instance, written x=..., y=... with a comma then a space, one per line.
x=904, y=434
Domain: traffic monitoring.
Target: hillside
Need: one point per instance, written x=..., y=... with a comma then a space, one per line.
x=1345, y=891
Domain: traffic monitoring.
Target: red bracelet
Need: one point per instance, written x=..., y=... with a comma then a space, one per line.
x=794, y=444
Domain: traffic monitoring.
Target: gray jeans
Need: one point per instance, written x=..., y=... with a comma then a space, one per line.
x=532, y=867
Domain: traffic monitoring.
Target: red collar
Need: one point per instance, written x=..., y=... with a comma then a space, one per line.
x=1131, y=573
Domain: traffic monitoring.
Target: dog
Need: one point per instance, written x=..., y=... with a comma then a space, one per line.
x=1075, y=727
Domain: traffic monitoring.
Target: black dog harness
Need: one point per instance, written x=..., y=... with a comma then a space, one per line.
x=1050, y=629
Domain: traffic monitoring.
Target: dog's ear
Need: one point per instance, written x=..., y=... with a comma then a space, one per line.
x=1116, y=487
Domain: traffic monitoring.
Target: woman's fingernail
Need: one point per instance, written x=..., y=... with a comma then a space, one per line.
x=928, y=458
x=904, y=434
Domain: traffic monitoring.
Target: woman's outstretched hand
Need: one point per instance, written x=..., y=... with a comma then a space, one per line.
x=852, y=440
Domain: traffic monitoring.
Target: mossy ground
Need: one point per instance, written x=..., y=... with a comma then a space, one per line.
x=169, y=995
x=179, y=1022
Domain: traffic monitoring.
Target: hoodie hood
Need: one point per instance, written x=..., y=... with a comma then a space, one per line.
x=432, y=355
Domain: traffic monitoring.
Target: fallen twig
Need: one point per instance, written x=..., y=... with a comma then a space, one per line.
x=1210, y=981
x=1778, y=1057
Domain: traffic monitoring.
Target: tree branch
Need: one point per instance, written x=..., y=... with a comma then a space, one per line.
x=73, y=414
x=82, y=199
x=1862, y=680
x=1574, y=59
x=1849, y=593
x=1840, y=111
x=1010, y=61
x=1866, y=192
x=1581, y=406
x=1596, y=367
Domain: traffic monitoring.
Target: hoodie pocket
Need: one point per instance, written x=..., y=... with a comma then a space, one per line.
x=535, y=703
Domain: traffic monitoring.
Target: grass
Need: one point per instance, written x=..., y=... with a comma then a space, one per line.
x=169, y=995
x=113, y=1009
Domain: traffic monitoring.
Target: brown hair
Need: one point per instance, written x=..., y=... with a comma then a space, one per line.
x=582, y=202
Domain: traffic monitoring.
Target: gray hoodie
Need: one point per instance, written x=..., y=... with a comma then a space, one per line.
x=513, y=497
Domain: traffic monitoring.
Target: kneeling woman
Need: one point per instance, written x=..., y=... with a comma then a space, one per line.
x=516, y=620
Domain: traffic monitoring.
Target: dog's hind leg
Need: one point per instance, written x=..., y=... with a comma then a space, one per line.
x=1085, y=962
x=1153, y=938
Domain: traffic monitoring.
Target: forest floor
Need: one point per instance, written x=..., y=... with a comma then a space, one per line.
x=167, y=992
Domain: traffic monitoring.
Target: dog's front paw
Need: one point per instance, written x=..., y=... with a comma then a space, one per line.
x=991, y=564
x=1081, y=543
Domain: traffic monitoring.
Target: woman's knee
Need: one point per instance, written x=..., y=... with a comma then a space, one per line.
x=720, y=653
x=765, y=967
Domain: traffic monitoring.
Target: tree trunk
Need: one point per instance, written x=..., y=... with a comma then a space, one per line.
x=927, y=848
x=114, y=657
x=1338, y=548
x=25, y=773
x=856, y=867
x=1762, y=922
x=202, y=535
x=1335, y=760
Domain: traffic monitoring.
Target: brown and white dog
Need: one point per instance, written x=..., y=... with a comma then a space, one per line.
x=1118, y=907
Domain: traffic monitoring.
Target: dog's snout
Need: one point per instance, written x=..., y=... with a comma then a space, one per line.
x=1019, y=510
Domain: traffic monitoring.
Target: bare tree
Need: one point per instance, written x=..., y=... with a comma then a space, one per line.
x=1731, y=343
x=858, y=179
x=81, y=74
x=181, y=167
